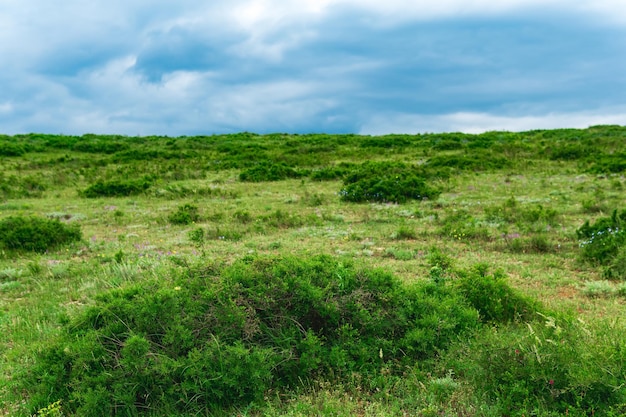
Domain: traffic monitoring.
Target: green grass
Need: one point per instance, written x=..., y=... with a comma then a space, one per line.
x=516, y=220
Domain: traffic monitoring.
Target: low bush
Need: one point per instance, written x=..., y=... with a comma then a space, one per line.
x=11, y=149
x=386, y=182
x=268, y=171
x=116, y=188
x=494, y=299
x=601, y=241
x=220, y=336
x=36, y=234
x=545, y=368
x=185, y=214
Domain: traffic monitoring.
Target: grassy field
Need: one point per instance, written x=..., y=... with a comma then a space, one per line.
x=525, y=305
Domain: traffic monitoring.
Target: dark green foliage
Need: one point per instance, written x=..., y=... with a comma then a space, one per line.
x=386, y=182
x=116, y=188
x=268, y=171
x=601, y=241
x=185, y=214
x=494, y=299
x=11, y=149
x=35, y=234
x=218, y=336
x=605, y=164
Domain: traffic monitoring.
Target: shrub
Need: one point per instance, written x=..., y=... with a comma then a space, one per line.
x=268, y=171
x=185, y=214
x=494, y=299
x=601, y=242
x=11, y=149
x=116, y=188
x=36, y=234
x=386, y=183
x=217, y=336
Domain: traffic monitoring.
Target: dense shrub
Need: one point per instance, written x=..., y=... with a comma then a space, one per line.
x=386, y=182
x=185, y=214
x=605, y=164
x=494, y=299
x=11, y=149
x=35, y=234
x=220, y=336
x=601, y=241
x=268, y=171
x=525, y=216
x=116, y=188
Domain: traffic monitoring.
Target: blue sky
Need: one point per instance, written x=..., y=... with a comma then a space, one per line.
x=186, y=67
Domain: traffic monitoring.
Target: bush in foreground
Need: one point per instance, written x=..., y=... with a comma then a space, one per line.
x=218, y=337
x=35, y=234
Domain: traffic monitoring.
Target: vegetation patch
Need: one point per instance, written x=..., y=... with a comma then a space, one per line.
x=386, y=182
x=603, y=243
x=217, y=336
x=269, y=171
x=185, y=214
x=116, y=188
x=36, y=234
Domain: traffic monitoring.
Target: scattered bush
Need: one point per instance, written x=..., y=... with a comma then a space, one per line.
x=218, y=336
x=36, y=234
x=268, y=171
x=386, y=183
x=185, y=214
x=116, y=188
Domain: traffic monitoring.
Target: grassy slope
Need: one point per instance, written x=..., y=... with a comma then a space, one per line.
x=129, y=238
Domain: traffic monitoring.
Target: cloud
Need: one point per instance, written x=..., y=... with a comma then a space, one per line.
x=151, y=67
x=469, y=122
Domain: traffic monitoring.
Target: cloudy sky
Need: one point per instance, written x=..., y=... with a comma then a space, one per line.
x=185, y=67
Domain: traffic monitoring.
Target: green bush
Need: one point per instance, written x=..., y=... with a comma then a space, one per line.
x=185, y=214
x=386, y=182
x=11, y=149
x=36, y=234
x=116, y=188
x=268, y=171
x=600, y=242
x=216, y=336
x=494, y=299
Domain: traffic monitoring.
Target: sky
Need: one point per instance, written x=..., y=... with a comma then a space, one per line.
x=373, y=67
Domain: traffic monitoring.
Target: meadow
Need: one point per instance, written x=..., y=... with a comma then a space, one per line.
x=308, y=275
